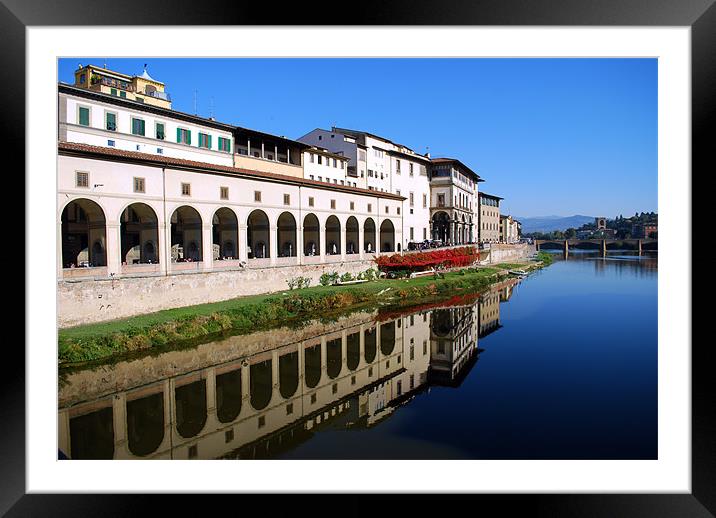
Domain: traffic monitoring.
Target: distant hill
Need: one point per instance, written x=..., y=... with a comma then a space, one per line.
x=550, y=223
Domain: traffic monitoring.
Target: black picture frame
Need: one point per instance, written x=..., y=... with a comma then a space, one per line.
x=700, y=15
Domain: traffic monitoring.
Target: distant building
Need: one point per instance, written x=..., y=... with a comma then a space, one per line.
x=645, y=230
x=489, y=223
x=509, y=232
x=600, y=222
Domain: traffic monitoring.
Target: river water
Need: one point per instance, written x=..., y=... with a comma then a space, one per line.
x=559, y=365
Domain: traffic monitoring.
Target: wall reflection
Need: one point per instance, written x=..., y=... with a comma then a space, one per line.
x=265, y=403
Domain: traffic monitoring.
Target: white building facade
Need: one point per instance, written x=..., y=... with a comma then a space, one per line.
x=454, y=202
x=381, y=165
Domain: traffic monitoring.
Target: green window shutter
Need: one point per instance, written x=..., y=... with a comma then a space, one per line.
x=178, y=135
x=84, y=116
x=209, y=141
x=188, y=137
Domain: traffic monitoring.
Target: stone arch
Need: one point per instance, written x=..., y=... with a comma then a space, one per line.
x=286, y=229
x=145, y=424
x=441, y=322
x=312, y=365
x=441, y=226
x=288, y=374
x=369, y=235
x=92, y=435
x=311, y=235
x=186, y=235
x=261, y=385
x=228, y=395
x=387, y=338
x=225, y=234
x=370, y=338
x=353, y=351
x=333, y=236
x=387, y=236
x=84, y=234
x=334, y=357
x=258, y=238
x=139, y=234
x=190, y=404
x=352, y=230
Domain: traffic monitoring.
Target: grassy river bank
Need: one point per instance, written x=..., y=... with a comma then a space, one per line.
x=247, y=314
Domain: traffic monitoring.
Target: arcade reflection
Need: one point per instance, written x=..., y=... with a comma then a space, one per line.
x=267, y=394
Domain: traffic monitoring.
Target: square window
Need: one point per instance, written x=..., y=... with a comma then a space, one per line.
x=287, y=199
x=313, y=398
x=353, y=380
x=335, y=388
x=193, y=451
x=138, y=184
x=386, y=210
x=160, y=151
x=397, y=209
x=137, y=127
x=110, y=143
x=262, y=421
x=183, y=136
x=224, y=144
x=310, y=201
x=370, y=372
x=82, y=179
x=205, y=140
x=289, y=409
x=257, y=195
x=224, y=193
x=229, y=436
x=186, y=189
x=370, y=207
x=353, y=205
x=333, y=204
x=387, y=364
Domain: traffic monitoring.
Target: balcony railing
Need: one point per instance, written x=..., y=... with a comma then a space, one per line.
x=157, y=95
x=113, y=83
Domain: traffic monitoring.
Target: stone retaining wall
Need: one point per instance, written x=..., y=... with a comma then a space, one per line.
x=89, y=301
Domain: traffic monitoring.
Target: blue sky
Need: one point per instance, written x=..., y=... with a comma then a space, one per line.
x=551, y=136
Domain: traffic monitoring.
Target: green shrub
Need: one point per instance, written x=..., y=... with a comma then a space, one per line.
x=346, y=277
x=328, y=278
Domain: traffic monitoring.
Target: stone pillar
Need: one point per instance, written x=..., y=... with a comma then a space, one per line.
x=245, y=385
x=324, y=358
x=119, y=422
x=113, y=250
x=604, y=247
x=168, y=419
x=274, y=247
x=344, y=242
x=207, y=249
x=566, y=247
x=163, y=246
x=322, y=240
x=361, y=242
x=168, y=247
x=243, y=252
x=639, y=245
x=299, y=244
x=210, y=393
x=59, y=249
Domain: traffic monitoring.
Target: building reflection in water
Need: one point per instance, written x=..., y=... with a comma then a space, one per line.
x=258, y=405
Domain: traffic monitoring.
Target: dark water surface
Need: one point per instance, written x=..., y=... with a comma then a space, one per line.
x=560, y=365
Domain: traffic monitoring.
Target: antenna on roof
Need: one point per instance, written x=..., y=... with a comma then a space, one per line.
x=211, y=107
x=195, y=92
x=105, y=63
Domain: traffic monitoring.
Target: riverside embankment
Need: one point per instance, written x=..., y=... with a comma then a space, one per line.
x=175, y=327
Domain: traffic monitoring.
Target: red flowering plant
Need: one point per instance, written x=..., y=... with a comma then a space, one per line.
x=421, y=261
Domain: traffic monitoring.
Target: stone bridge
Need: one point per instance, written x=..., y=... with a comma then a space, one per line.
x=602, y=244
